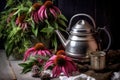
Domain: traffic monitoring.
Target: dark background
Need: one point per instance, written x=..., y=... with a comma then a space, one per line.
x=102, y=12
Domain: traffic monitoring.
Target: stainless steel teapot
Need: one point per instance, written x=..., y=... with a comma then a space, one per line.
x=81, y=39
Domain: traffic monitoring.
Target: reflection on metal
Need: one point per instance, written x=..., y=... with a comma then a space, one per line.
x=97, y=60
x=82, y=38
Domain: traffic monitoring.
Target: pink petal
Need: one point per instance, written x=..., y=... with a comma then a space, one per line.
x=48, y=64
x=73, y=64
x=25, y=26
x=46, y=13
x=57, y=9
x=71, y=67
x=43, y=52
x=39, y=17
x=32, y=15
x=41, y=8
x=40, y=12
x=28, y=52
x=55, y=71
x=39, y=52
x=68, y=58
x=17, y=22
x=53, y=57
x=8, y=20
x=70, y=62
x=35, y=17
x=40, y=60
x=58, y=71
x=64, y=71
x=48, y=52
x=22, y=25
x=53, y=12
x=34, y=53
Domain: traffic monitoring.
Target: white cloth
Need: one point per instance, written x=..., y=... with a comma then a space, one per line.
x=116, y=76
x=78, y=77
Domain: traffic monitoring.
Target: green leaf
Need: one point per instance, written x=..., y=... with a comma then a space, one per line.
x=8, y=49
x=17, y=12
x=47, y=22
x=59, y=28
x=61, y=22
x=55, y=25
x=14, y=32
x=34, y=29
x=30, y=10
x=26, y=44
x=32, y=59
x=63, y=17
x=49, y=30
x=55, y=44
x=22, y=64
x=29, y=3
x=27, y=65
x=9, y=3
x=25, y=70
x=42, y=57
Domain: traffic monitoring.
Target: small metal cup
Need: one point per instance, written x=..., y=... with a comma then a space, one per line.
x=97, y=60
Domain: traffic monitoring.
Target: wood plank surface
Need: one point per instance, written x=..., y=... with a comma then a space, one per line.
x=10, y=70
x=6, y=72
x=17, y=69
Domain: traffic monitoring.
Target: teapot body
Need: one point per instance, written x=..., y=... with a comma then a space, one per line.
x=82, y=38
x=78, y=46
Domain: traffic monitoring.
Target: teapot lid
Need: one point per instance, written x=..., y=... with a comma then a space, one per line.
x=82, y=27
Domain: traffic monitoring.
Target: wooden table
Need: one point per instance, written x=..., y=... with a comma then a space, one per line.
x=10, y=70
x=6, y=72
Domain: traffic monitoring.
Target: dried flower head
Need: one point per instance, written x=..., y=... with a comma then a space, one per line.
x=61, y=52
x=39, y=46
x=60, y=60
x=48, y=3
x=21, y=18
x=36, y=6
x=20, y=21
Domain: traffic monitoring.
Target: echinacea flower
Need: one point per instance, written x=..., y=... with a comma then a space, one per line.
x=38, y=49
x=20, y=21
x=61, y=64
x=48, y=9
x=35, y=9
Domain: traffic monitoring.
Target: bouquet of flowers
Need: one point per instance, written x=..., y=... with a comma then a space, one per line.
x=43, y=60
x=24, y=23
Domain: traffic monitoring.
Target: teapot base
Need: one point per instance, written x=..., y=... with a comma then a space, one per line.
x=85, y=59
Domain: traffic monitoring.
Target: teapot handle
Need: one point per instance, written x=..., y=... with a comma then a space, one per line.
x=109, y=37
x=81, y=14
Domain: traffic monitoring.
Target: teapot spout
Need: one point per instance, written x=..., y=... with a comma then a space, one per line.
x=61, y=37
